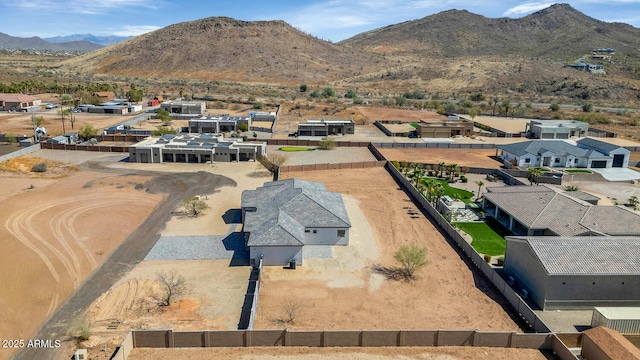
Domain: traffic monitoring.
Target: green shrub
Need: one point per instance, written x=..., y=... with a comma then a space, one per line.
x=487, y=258
x=501, y=261
x=327, y=144
x=39, y=167
x=464, y=179
x=395, y=164
x=243, y=127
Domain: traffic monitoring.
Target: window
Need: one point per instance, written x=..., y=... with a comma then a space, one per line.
x=575, y=161
x=342, y=233
x=557, y=160
x=307, y=231
x=527, y=161
x=315, y=231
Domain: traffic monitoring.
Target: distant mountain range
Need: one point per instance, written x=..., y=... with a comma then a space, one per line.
x=100, y=40
x=12, y=42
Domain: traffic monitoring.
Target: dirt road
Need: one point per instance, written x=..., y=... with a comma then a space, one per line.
x=176, y=186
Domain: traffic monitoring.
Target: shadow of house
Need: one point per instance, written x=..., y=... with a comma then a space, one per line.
x=235, y=242
x=232, y=216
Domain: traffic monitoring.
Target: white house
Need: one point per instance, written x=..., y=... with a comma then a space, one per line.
x=282, y=217
x=588, y=153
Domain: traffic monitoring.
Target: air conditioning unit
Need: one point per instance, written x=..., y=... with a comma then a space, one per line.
x=525, y=294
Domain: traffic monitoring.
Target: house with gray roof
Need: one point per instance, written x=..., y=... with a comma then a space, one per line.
x=575, y=272
x=588, y=153
x=619, y=156
x=556, y=129
x=551, y=212
x=282, y=217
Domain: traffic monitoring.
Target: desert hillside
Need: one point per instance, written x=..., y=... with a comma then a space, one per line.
x=226, y=49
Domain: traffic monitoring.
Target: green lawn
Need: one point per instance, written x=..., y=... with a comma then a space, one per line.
x=295, y=148
x=486, y=240
x=415, y=125
x=464, y=195
x=583, y=171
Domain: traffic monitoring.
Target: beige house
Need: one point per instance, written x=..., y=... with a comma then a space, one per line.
x=18, y=102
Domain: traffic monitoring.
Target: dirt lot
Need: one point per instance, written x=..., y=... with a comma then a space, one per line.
x=462, y=157
x=54, y=235
x=20, y=123
x=293, y=353
x=440, y=298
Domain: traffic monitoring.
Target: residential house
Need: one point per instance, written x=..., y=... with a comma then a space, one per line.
x=105, y=95
x=322, y=127
x=588, y=153
x=218, y=124
x=282, y=217
x=18, y=102
x=575, y=272
x=184, y=107
x=556, y=129
x=617, y=155
x=453, y=126
x=551, y=212
x=195, y=148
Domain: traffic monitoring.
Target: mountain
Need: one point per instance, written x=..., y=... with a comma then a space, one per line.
x=12, y=42
x=559, y=31
x=100, y=40
x=227, y=49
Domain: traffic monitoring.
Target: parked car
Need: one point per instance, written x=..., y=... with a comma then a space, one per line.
x=51, y=106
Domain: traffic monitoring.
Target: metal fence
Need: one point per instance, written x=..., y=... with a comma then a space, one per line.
x=20, y=152
x=250, y=305
x=433, y=145
x=339, y=166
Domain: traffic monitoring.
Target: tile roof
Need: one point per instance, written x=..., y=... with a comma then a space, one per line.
x=285, y=208
x=17, y=97
x=593, y=255
x=562, y=213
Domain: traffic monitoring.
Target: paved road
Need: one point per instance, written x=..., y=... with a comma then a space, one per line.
x=134, y=248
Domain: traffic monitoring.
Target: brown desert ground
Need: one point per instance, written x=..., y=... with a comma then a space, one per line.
x=445, y=294
x=294, y=353
x=462, y=157
x=55, y=232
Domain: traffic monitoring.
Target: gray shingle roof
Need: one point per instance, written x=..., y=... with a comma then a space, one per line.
x=593, y=255
x=557, y=147
x=541, y=207
x=285, y=208
x=597, y=144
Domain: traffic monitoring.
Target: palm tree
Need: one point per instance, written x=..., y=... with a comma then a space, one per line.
x=480, y=184
x=438, y=191
x=535, y=173
x=441, y=167
x=452, y=170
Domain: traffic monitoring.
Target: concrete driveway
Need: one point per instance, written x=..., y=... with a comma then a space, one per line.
x=618, y=174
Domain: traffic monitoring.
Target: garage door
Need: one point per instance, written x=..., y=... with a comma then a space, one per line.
x=600, y=164
x=618, y=160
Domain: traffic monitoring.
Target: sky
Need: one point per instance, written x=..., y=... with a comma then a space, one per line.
x=332, y=20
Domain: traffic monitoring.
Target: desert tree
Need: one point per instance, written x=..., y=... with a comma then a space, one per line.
x=272, y=162
x=172, y=286
x=554, y=107
x=292, y=308
x=327, y=144
x=304, y=87
x=163, y=115
x=633, y=202
x=193, y=206
x=39, y=120
x=87, y=132
x=411, y=259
